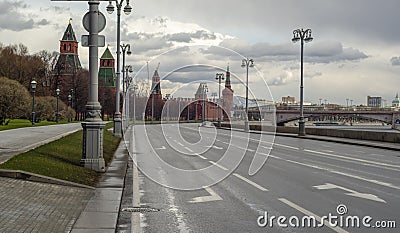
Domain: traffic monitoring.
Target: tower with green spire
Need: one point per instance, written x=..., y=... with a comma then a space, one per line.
x=107, y=69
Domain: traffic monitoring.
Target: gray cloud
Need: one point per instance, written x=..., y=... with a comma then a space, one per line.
x=319, y=52
x=395, y=61
x=11, y=17
x=188, y=37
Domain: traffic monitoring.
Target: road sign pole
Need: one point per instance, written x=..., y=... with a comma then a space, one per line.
x=93, y=127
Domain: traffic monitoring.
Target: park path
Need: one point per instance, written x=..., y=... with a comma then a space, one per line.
x=16, y=141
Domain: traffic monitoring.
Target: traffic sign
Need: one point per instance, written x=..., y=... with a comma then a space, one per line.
x=101, y=41
x=102, y=22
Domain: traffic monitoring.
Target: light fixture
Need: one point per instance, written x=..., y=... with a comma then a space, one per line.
x=33, y=85
x=110, y=7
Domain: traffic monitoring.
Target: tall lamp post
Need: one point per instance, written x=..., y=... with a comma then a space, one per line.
x=33, y=88
x=204, y=91
x=214, y=94
x=70, y=105
x=58, y=96
x=126, y=49
x=219, y=77
x=246, y=63
x=127, y=11
x=302, y=36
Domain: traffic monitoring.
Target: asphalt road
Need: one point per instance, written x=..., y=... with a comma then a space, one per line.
x=15, y=141
x=302, y=180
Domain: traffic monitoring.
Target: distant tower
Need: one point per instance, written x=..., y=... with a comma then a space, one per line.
x=68, y=62
x=396, y=102
x=107, y=69
x=155, y=101
x=227, y=96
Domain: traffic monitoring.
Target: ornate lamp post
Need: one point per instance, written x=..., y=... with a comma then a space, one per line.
x=58, y=96
x=33, y=88
x=246, y=63
x=302, y=36
x=126, y=49
x=127, y=11
x=219, y=77
x=204, y=91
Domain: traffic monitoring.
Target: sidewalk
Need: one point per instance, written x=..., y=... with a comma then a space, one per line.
x=52, y=205
x=17, y=141
x=101, y=212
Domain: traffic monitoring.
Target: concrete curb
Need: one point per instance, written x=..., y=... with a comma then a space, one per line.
x=18, y=174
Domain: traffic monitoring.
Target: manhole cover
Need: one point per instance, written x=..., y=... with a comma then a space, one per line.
x=143, y=209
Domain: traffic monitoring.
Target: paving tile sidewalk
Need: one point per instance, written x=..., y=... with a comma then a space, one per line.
x=101, y=212
x=27, y=206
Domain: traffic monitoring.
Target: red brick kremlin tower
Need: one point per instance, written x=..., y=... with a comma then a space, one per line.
x=65, y=71
x=227, y=96
x=155, y=101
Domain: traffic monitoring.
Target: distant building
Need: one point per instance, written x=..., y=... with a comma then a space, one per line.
x=155, y=103
x=68, y=62
x=374, y=101
x=288, y=100
x=396, y=102
x=107, y=69
x=227, y=97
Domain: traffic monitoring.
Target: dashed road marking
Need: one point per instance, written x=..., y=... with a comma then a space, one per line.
x=250, y=182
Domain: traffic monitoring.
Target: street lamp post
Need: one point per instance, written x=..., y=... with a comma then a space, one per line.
x=204, y=91
x=214, y=94
x=33, y=88
x=247, y=63
x=302, y=36
x=126, y=49
x=110, y=10
x=167, y=96
x=58, y=96
x=70, y=105
x=134, y=88
x=219, y=77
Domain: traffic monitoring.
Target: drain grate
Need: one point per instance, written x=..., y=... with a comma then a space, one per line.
x=143, y=209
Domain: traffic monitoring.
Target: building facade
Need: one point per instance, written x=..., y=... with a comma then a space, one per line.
x=374, y=101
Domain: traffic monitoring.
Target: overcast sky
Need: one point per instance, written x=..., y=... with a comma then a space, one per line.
x=355, y=51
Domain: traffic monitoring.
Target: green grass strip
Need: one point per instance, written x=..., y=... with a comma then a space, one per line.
x=60, y=159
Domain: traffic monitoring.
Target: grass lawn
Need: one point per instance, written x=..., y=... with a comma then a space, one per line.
x=60, y=159
x=20, y=123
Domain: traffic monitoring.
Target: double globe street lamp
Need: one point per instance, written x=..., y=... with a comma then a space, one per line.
x=302, y=36
x=127, y=11
x=246, y=63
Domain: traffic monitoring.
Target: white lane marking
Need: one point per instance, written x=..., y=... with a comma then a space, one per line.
x=187, y=148
x=218, y=148
x=213, y=197
x=250, y=182
x=180, y=144
x=351, y=192
x=220, y=166
x=309, y=213
x=161, y=148
x=201, y=156
x=354, y=159
x=337, y=172
x=290, y=147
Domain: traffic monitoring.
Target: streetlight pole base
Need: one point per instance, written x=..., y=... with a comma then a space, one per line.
x=92, y=146
x=117, y=126
x=246, y=126
x=302, y=129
